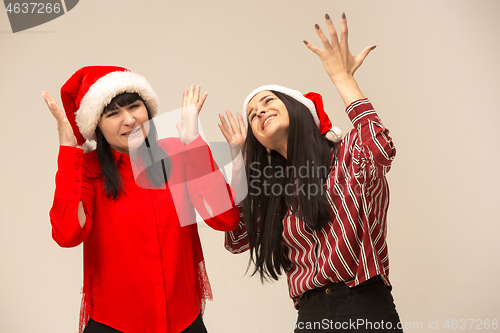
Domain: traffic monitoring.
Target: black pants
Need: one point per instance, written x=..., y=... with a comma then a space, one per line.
x=368, y=307
x=197, y=326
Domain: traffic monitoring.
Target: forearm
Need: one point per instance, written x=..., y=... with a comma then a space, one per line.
x=207, y=188
x=67, y=215
x=236, y=240
x=348, y=88
x=373, y=139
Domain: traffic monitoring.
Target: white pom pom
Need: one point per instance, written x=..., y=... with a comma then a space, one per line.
x=335, y=134
x=89, y=146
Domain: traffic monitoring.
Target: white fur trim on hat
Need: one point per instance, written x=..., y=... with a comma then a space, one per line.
x=104, y=90
x=335, y=134
x=295, y=94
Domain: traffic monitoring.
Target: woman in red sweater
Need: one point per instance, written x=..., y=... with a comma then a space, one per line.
x=143, y=263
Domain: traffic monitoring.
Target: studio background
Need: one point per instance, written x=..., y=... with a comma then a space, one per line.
x=433, y=79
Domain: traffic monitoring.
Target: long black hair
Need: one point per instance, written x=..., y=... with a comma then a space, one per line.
x=156, y=174
x=272, y=193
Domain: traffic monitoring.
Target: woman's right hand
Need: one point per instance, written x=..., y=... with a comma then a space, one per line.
x=66, y=135
x=234, y=134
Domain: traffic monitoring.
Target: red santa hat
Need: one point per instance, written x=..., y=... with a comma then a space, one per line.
x=313, y=101
x=91, y=89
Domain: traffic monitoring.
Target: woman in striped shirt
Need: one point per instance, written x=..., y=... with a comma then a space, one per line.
x=317, y=205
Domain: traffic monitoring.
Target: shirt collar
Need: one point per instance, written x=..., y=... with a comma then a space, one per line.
x=119, y=157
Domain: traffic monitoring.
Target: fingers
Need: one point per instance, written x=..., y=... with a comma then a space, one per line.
x=185, y=98
x=324, y=39
x=224, y=128
x=312, y=48
x=53, y=107
x=202, y=101
x=334, y=41
x=196, y=93
x=344, y=43
x=225, y=124
x=227, y=136
x=191, y=96
x=362, y=55
x=234, y=126
x=243, y=128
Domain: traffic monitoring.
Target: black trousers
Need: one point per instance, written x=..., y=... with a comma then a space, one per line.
x=368, y=307
x=197, y=326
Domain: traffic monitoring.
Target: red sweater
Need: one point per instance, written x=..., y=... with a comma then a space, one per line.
x=143, y=268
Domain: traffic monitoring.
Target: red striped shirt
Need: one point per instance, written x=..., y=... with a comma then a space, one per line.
x=352, y=247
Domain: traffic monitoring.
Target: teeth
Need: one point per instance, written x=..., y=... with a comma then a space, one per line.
x=132, y=132
x=268, y=119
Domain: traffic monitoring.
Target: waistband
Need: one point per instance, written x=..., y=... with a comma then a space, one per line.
x=340, y=287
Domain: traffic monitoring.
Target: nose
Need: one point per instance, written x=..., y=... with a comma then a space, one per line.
x=129, y=119
x=261, y=111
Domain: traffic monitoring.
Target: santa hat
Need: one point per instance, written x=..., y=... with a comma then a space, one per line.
x=91, y=89
x=313, y=101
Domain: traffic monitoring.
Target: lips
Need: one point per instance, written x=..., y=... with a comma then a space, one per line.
x=267, y=119
x=132, y=132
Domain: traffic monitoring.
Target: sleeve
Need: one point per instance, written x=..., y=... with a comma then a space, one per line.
x=72, y=187
x=373, y=149
x=236, y=240
x=209, y=193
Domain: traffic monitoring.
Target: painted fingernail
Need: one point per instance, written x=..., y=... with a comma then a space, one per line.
x=373, y=48
x=327, y=16
x=343, y=16
x=305, y=42
x=316, y=26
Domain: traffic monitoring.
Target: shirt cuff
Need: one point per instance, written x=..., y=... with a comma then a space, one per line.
x=361, y=111
x=69, y=174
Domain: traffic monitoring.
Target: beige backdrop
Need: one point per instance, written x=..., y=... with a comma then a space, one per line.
x=433, y=78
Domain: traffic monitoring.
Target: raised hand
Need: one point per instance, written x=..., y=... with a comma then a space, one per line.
x=66, y=135
x=336, y=56
x=191, y=107
x=338, y=61
x=233, y=134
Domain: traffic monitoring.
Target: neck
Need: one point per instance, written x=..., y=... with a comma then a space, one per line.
x=121, y=151
x=282, y=150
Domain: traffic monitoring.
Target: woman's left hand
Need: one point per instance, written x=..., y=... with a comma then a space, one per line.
x=336, y=56
x=191, y=107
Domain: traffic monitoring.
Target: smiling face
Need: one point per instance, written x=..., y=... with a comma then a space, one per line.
x=117, y=125
x=268, y=119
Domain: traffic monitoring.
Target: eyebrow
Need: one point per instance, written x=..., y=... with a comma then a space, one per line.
x=260, y=100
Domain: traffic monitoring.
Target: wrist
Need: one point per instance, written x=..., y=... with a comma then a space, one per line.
x=348, y=88
x=344, y=79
